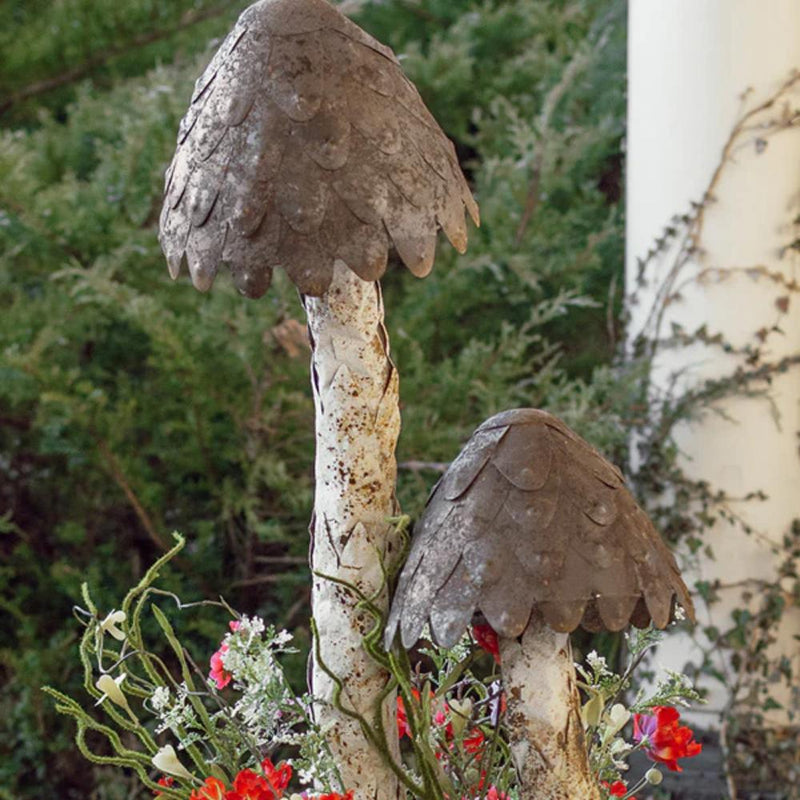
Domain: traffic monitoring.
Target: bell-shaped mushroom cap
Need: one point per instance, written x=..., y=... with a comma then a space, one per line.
x=531, y=516
x=305, y=143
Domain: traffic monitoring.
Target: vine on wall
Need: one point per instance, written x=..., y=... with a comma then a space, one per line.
x=756, y=754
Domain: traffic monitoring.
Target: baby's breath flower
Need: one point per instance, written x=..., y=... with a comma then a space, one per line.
x=596, y=662
x=160, y=699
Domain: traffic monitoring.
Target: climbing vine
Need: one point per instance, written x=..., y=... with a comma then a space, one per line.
x=754, y=673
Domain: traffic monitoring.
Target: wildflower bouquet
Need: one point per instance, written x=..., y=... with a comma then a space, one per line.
x=214, y=734
x=655, y=728
x=201, y=735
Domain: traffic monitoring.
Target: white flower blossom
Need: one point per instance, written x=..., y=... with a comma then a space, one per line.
x=160, y=699
x=166, y=761
x=109, y=625
x=596, y=662
x=618, y=717
x=110, y=687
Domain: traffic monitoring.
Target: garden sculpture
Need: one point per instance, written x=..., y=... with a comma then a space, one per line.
x=306, y=147
x=536, y=530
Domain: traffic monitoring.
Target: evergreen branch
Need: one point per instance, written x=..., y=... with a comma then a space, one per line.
x=115, y=468
x=80, y=71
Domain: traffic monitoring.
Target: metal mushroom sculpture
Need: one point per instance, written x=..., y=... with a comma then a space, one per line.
x=305, y=147
x=534, y=528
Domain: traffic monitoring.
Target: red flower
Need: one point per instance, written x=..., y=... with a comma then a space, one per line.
x=249, y=785
x=334, y=796
x=166, y=782
x=474, y=741
x=616, y=789
x=212, y=789
x=403, y=728
x=493, y=794
x=486, y=637
x=277, y=777
x=666, y=740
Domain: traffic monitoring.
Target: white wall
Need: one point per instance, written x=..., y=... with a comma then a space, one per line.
x=690, y=61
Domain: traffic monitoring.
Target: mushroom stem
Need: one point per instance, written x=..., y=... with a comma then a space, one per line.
x=544, y=721
x=357, y=424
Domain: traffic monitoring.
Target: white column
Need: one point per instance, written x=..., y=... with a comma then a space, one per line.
x=690, y=62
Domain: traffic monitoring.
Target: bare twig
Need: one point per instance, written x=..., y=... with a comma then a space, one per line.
x=691, y=243
x=424, y=466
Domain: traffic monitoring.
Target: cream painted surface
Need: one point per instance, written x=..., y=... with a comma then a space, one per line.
x=357, y=424
x=545, y=732
x=690, y=62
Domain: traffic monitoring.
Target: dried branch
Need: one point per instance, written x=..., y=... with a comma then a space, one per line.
x=117, y=473
x=424, y=466
x=694, y=222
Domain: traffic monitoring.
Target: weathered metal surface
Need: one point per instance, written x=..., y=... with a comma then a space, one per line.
x=530, y=516
x=305, y=143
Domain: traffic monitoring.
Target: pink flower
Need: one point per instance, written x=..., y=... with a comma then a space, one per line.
x=666, y=740
x=218, y=673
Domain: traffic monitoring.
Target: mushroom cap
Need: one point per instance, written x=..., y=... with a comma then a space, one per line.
x=529, y=515
x=305, y=143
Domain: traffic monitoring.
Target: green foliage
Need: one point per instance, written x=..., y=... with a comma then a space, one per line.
x=48, y=46
x=130, y=406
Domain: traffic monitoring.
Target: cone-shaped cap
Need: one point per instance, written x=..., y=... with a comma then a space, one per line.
x=305, y=143
x=531, y=516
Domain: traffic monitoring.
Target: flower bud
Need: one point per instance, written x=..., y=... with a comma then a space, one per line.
x=461, y=713
x=109, y=624
x=653, y=776
x=110, y=687
x=592, y=711
x=166, y=761
x=618, y=717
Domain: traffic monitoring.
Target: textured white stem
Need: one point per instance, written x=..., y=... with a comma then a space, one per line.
x=358, y=422
x=544, y=722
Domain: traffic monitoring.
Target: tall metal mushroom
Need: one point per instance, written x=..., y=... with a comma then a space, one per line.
x=306, y=147
x=534, y=528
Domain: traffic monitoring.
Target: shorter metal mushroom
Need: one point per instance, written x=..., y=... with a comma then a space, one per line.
x=531, y=526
